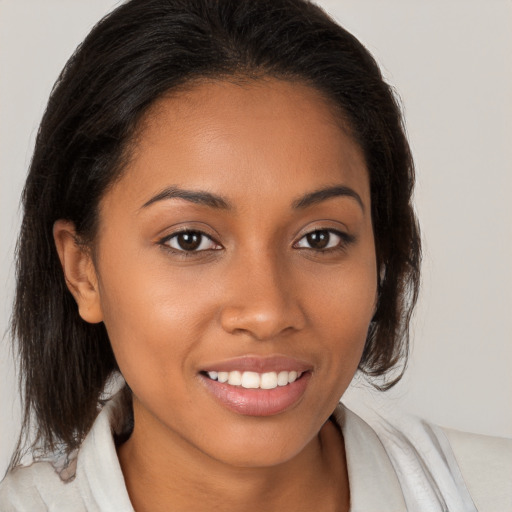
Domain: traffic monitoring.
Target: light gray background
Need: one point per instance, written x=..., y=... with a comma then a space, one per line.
x=450, y=61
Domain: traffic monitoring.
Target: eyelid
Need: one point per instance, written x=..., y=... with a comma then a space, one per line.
x=187, y=226
x=165, y=239
x=345, y=239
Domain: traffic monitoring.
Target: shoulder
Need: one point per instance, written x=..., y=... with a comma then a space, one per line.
x=455, y=470
x=89, y=479
x=486, y=466
x=37, y=488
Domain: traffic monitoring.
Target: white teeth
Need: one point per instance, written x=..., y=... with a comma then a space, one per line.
x=254, y=380
x=250, y=380
x=235, y=378
x=222, y=376
x=282, y=378
x=268, y=380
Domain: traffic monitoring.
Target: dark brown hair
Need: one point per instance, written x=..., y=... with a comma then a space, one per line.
x=137, y=53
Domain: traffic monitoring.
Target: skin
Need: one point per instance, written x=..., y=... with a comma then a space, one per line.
x=258, y=289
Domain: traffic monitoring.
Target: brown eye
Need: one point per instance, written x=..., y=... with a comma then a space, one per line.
x=323, y=239
x=191, y=241
x=318, y=239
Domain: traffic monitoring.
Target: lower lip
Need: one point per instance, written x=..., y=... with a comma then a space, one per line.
x=258, y=402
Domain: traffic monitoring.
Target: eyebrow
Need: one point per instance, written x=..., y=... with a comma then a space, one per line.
x=215, y=201
x=327, y=193
x=194, y=196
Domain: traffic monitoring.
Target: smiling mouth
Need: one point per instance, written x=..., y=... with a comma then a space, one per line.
x=257, y=386
x=255, y=380
x=252, y=393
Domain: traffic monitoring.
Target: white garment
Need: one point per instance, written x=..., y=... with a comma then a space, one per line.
x=394, y=466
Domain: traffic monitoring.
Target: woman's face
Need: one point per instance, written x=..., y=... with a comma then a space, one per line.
x=238, y=245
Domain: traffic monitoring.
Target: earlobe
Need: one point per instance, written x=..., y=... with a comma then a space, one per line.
x=79, y=271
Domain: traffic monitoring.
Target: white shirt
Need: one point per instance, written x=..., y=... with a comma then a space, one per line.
x=393, y=466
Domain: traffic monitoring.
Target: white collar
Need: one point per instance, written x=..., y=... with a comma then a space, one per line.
x=373, y=483
x=385, y=470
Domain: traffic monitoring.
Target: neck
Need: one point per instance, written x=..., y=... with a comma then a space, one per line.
x=162, y=473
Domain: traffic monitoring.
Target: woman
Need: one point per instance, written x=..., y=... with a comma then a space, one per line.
x=220, y=205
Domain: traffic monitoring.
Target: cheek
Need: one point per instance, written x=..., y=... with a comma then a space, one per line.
x=152, y=317
x=342, y=303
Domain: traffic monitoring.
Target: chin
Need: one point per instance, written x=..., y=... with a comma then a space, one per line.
x=261, y=446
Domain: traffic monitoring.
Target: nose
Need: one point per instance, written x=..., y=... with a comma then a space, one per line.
x=262, y=300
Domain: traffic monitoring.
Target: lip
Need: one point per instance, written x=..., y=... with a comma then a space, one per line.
x=259, y=364
x=258, y=402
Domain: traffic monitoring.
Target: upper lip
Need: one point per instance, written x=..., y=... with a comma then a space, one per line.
x=259, y=364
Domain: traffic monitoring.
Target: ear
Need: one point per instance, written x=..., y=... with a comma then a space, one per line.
x=79, y=271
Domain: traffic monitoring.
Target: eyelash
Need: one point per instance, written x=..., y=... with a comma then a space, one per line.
x=345, y=241
x=164, y=242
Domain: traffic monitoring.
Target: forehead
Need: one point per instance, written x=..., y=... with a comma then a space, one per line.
x=266, y=137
